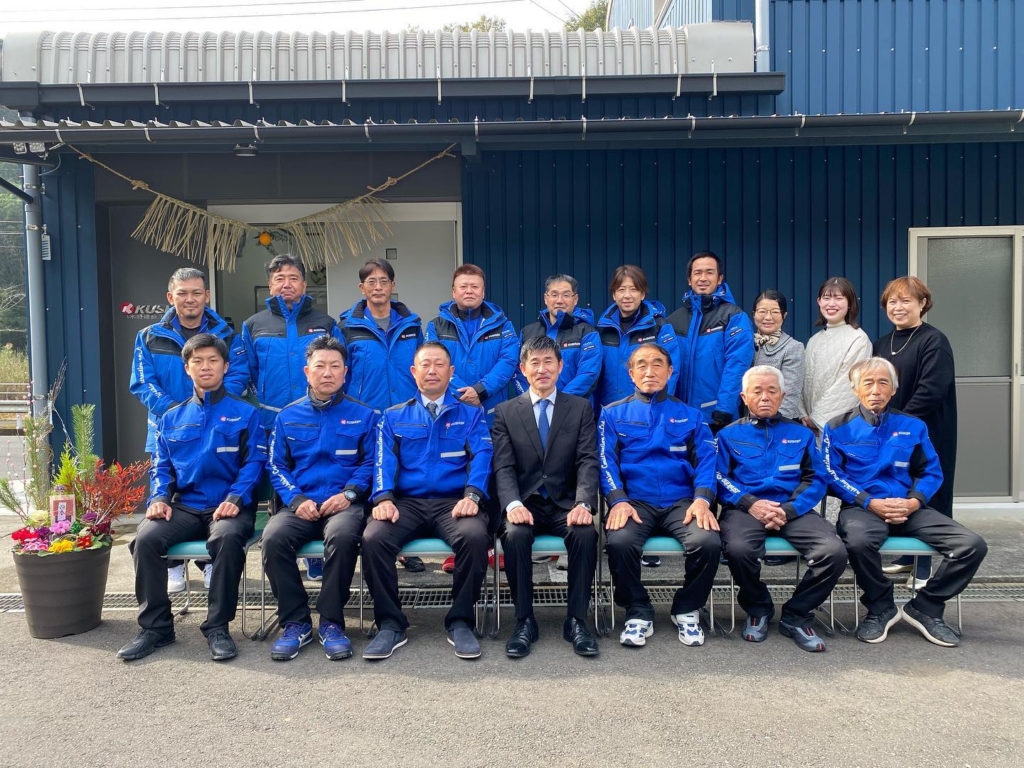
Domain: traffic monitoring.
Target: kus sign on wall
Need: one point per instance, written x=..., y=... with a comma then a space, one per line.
x=147, y=312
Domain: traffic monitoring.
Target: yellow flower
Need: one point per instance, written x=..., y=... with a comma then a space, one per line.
x=63, y=545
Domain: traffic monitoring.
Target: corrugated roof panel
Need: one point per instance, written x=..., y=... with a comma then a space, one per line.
x=67, y=58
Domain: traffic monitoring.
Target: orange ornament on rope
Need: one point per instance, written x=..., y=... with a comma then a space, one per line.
x=265, y=238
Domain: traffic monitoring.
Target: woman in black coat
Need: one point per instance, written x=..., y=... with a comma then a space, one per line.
x=923, y=360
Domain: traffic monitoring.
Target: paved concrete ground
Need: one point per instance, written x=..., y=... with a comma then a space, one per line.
x=903, y=703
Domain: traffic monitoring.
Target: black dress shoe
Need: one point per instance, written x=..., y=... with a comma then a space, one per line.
x=222, y=647
x=583, y=643
x=144, y=644
x=805, y=637
x=525, y=635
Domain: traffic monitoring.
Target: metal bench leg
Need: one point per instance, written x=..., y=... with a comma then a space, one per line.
x=732, y=604
x=188, y=593
x=856, y=607
x=959, y=616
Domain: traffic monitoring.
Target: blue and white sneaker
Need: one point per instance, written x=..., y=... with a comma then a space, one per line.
x=690, y=631
x=334, y=640
x=315, y=568
x=291, y=640
x=636, y=632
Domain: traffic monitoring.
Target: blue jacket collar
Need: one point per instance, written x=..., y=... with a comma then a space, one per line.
x=209, y=398
x=720, y=296
x=276, y=305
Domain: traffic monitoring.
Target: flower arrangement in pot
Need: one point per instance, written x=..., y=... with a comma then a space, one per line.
x=62, y=551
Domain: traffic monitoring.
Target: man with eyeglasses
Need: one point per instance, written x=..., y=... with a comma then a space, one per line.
x=572, y=329
x=715, y=343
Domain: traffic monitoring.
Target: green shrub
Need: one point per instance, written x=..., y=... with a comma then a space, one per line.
x=13, y=365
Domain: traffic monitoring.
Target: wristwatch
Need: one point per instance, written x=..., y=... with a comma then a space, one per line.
x=474, y=497
x=351, y=495
x=586, y=506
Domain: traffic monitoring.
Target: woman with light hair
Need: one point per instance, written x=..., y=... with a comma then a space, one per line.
x=923, y=359
x=776, y=348
x=831, y=353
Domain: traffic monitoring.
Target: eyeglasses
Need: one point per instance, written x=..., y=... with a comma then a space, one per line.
x=768, y=313
x=567, y=295
x=382, y=282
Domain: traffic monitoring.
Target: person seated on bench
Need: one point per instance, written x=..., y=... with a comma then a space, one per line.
x=770, y=478
x=657, y=461
x=431, y=468
x=884, y=469
x=545, y=468
x=321, y=464
x=210, y=454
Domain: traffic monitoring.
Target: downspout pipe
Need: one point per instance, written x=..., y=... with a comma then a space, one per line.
x=35, y=290
x=762, y=41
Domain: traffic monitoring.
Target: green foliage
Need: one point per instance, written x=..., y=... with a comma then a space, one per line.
x=83, y=427
x=38, y=458
x=67, y=469
x=13, y=365
x=483, y=24
x=591, y=19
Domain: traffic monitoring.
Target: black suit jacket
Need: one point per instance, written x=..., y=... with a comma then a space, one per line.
x=569, y=468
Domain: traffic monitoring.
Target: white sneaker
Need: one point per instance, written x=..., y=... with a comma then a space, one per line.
x=916, y=584
x=207, y=574
x=563, y=563
x=690, y=631
x=636, y=632
x=895, y=568
x=176, y=579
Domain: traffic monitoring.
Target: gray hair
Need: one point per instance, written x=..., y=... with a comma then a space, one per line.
x=573, y=283
x=763, y=370
x=186, y=273
x=858, y=370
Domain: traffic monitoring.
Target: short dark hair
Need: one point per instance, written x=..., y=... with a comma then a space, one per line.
x=187, y=273
x=649, y=345
x=325, y=343
x=374, y=264
x=705, y=255
x=539, y=344
x=469, y=269
x=573, y=283
x=204, y=341
x=432, y=345
x=845, y=287
x=634, y=273
x=285, y=260
x=772, y=295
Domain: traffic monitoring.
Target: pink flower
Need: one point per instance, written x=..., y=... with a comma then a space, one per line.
x=34, y=546
x=61, y=527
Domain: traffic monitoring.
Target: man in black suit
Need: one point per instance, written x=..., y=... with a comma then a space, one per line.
x=546, y=473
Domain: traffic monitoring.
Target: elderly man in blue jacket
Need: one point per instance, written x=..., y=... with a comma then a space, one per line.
x=884, y=469
x=770, y=478
x=431, y=471
x=658, y=474
x=159, y=379
x=572, y=329
x=716, y=342
x=210, y=453
x=321, y=463
x=480, y=339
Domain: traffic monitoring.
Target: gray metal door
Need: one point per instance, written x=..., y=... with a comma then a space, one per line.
x=974, y=279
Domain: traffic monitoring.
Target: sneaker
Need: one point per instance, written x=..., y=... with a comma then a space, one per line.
x=805, y=637
x=315, y=568
x=144, y=644
x=490, y=561
x=176, y=579
x=207, y=575
x=875, y=627
x=543, y=559
x=915, y=583
x=636, y=632
x=384, y=644
x=563, y=563
x=334, y=640
x=463, y=639
x=935, y=630
x=293, y=637
x=448, y=566
x=897, y=567
x=688, y=624
x=412, y=564
x=650, y=561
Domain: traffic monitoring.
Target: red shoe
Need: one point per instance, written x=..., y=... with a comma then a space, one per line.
x=490, y=560
x=448, y=566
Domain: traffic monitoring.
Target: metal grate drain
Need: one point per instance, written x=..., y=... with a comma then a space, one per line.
x=544, y=596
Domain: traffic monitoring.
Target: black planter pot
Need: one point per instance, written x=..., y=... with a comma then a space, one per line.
x=63, y=593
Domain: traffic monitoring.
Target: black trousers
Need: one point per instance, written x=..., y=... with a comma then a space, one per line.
x=580, y=543
x=225, y=541
x=743, y=537
x=625, y=547
x=864, y=532
x=285, y=534
x=467, y=536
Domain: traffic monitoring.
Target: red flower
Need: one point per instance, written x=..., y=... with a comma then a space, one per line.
x=84, y=542
x=25, y=534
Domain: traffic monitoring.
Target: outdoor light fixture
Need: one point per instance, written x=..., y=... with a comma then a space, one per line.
x=37, y=147
x=246, y=150
x=20, y=148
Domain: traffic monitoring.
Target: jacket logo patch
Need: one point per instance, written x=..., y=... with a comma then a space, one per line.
x=229, y=418
x=645, y=339
x=677, y=421
x=491, y=336
x=316, y=329
x=714, y=328
x=351, y=421
x=568, y=344
x=450, y=424
x=787, y=442
x=408, y=335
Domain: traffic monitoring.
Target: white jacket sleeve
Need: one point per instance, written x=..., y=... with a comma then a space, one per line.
x=839, y=397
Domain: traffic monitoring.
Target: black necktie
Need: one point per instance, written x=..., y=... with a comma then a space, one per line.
x=432, y=408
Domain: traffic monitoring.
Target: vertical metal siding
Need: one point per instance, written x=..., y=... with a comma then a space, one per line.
x=630, y=13
x=890, y=55
x=732, y=10
x=786, y=218
x=682, y=12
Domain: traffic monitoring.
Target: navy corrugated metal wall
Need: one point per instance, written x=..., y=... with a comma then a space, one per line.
x=784, y=218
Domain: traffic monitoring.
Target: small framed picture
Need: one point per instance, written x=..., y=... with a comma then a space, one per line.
x=390, y=253
x=62, y=507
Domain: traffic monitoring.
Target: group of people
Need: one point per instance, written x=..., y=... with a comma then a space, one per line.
x=697, y=424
